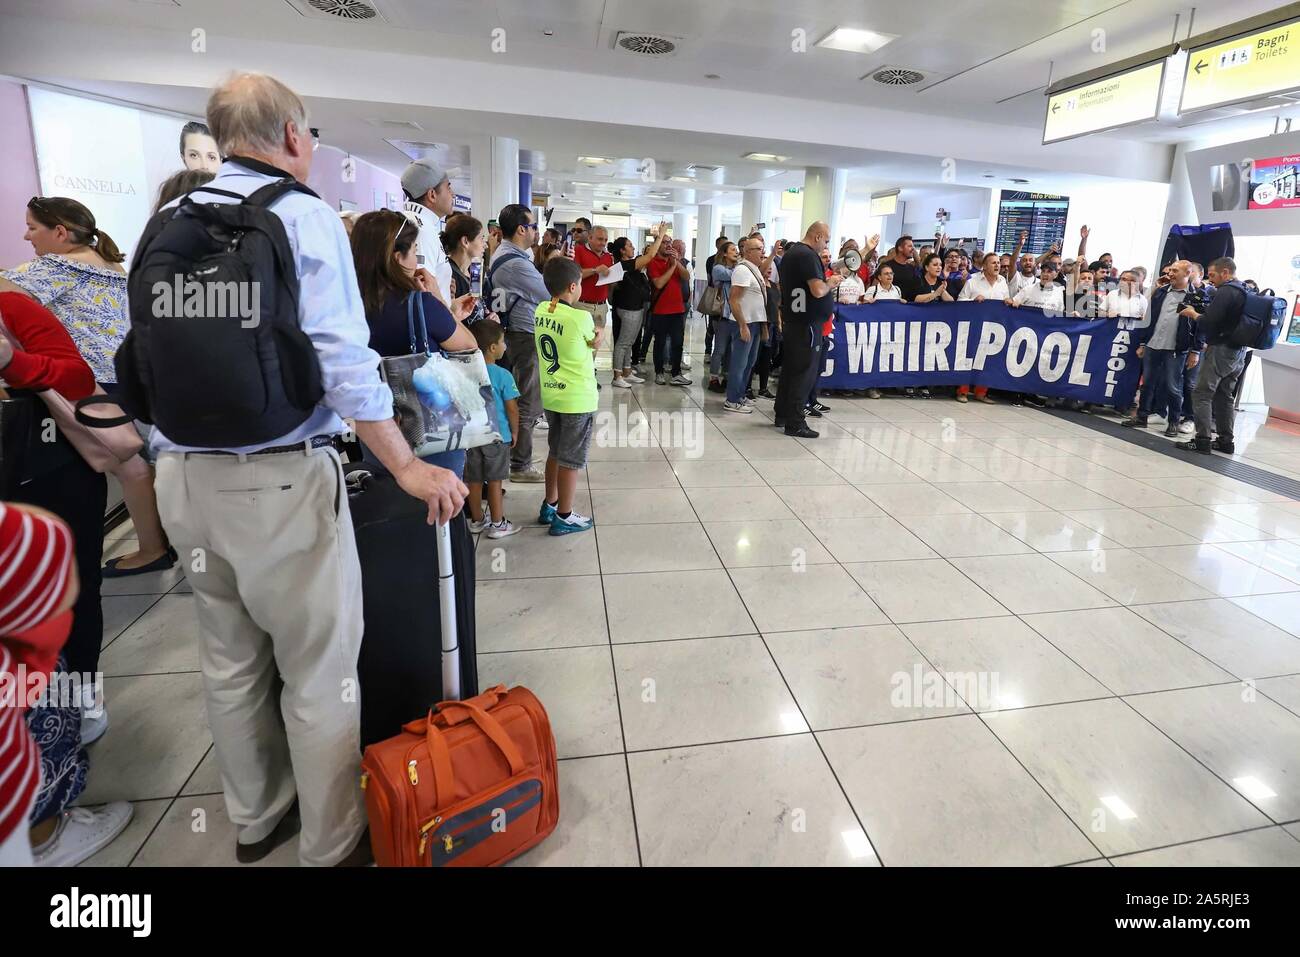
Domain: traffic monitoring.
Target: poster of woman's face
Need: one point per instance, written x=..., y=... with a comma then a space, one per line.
x=200, y=152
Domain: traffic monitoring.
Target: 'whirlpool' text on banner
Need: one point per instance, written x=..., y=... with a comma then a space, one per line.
x=889, y=344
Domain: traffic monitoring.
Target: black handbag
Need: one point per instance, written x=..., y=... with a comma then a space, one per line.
x=20, y=417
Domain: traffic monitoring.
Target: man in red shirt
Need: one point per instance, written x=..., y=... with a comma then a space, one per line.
x=668, y=315
x=595, y=261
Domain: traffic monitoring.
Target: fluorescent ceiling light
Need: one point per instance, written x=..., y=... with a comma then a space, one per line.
x=682, y=179
x=594, y=160
x=766, y=158
x=854, y=40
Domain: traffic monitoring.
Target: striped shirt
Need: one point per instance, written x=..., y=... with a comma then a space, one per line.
x=36, y=554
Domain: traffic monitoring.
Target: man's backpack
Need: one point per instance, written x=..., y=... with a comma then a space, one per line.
x=1261, y=320
x=216, y=357
x=502, y=309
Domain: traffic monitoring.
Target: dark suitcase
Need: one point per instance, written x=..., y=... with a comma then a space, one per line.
x=405, y=646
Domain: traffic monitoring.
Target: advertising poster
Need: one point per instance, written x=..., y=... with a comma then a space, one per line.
x=1273, y=183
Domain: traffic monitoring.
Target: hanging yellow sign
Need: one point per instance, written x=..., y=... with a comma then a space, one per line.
x=1250, y=66
x=1118, y=100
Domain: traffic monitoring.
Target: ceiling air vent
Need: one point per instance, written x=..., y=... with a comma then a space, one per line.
x=341, y=9
x=647, y=44
x=897, y=76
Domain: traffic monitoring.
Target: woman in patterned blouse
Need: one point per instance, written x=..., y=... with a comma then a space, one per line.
x=77, y=274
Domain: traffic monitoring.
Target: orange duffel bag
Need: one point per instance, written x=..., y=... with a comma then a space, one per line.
x=472, y=785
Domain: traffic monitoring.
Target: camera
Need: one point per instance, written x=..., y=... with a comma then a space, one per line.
x=1198, y=299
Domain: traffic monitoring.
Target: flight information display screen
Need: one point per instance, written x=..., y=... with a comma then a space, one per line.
x=1042, y=215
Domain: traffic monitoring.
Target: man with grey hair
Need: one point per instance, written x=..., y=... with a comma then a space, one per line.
x=430, y=199
x=266, y=527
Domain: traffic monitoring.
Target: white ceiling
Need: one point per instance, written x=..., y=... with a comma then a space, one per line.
x=432, y=63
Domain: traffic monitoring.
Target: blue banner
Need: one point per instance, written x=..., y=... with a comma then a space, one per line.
x=888, y=344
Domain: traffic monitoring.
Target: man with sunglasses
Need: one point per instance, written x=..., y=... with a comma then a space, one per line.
x=515, y=287
x=430, y=198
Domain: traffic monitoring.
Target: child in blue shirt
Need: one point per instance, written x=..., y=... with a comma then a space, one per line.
x=490, y=464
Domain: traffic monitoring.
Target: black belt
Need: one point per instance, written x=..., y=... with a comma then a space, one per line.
x=306, y=445
x=592, y=302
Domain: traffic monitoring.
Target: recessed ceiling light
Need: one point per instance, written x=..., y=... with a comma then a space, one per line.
x=549, y=33
x=712, y=76
x=594, y=160
x=681, y=179
x=854, y=40
x=765, y=158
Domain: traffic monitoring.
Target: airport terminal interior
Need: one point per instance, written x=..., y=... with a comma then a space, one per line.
x=1052, y=621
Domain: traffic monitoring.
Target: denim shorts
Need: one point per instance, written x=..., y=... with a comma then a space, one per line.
x=570, y=437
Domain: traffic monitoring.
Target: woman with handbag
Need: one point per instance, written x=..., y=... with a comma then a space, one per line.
x=714, y=304
x=404, y=316
x=37, y=354
x=77, y=274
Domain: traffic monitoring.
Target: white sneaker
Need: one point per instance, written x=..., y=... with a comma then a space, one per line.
x=634, y=379
x=621, y=383
x=737, y=407
x=501, y=529
x=679, y=380
x=1187, y=428
x=478, y=526
x=81, y=833
x=542, y=425
x=93, y=725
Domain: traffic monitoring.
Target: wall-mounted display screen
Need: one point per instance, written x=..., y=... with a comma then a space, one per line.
x=1269, y=183
x=1040, y=214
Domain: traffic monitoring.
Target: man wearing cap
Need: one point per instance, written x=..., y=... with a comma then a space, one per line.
x=430, y=198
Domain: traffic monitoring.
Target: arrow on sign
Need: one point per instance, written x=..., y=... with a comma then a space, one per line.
x=1055, y=107
x=1200, y=65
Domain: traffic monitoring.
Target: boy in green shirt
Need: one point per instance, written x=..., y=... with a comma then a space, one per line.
x=566, y=340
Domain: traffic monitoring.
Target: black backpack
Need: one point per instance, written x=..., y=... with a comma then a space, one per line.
x=215, y=357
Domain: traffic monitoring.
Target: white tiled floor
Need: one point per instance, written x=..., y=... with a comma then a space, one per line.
x=939, y=634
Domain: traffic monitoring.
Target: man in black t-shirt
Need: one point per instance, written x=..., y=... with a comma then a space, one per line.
x=907, y=275
x=806, y=304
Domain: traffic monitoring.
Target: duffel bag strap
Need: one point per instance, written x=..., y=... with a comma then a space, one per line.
x=487, y=700
x=489, y=725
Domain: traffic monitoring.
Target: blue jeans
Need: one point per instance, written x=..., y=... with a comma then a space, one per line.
x=721, y=345
x=1162, y=382
x=743, y=356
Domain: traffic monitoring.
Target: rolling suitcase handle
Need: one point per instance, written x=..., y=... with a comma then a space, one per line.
x=447, y=606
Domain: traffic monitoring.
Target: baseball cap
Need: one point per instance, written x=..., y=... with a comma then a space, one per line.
x=422, y=176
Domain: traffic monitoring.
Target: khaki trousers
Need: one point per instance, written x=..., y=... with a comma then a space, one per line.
x=267, y=545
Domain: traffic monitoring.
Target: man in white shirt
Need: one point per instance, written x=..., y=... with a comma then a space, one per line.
x=1023, y=275
x=1126, y=301
x=1045, y=294
x=430, y=198
x=989, y=284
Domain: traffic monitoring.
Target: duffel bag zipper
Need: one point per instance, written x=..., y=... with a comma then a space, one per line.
x=449, y=839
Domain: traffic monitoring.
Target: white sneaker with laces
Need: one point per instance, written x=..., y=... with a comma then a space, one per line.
x=634, y=379
x=1187, y=428
x=679, y=380
x=501, y=529
x=81, y=833
x=477, y=525
x=739, y=407
x=621, y=383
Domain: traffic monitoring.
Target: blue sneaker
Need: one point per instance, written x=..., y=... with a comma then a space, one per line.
x=546, y=514
x=567, y=526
